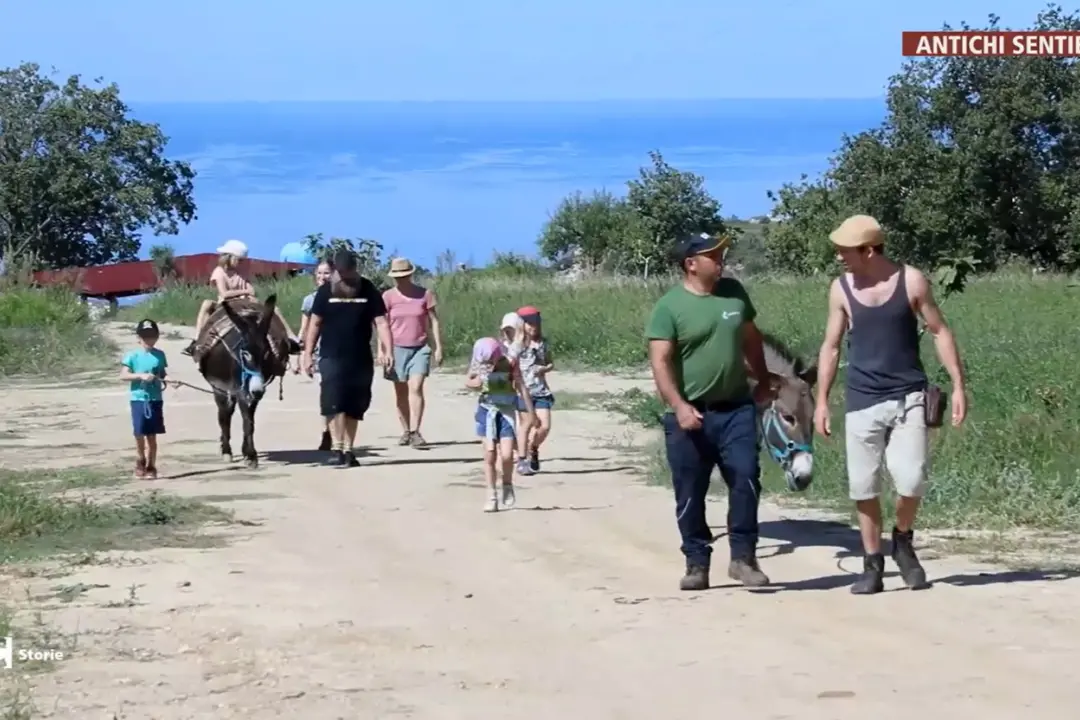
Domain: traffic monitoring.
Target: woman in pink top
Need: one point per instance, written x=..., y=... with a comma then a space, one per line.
x=410, y=308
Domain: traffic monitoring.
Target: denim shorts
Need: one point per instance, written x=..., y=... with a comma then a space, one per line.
x=540, y=402
x=503, y=423
x=148, y=417
x=409, y=361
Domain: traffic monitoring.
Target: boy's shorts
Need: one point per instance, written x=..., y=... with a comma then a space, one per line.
x=540, y=402
x=148, y=417
x=494, y=424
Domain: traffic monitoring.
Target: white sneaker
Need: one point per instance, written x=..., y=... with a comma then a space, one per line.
x=492, y=504
x=508, y=496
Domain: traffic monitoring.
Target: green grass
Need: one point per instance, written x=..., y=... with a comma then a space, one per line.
x=37, y=519
x=46, y=332
x=1013, y=464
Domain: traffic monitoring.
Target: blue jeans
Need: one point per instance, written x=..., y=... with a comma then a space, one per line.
x=728, y=439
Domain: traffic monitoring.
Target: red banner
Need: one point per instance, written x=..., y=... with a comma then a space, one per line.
x=991, y=44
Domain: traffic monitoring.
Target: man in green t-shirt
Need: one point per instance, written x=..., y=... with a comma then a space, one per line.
x=701, y=339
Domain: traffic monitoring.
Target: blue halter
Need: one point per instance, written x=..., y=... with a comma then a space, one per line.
x=782, y=448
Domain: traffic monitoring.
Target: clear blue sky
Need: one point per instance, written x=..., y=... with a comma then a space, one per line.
x=198, y=50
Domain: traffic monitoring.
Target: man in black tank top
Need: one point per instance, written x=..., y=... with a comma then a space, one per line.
x=876, y=302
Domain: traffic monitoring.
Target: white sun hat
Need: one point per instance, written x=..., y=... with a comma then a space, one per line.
x=233, y=247
x=511, y=320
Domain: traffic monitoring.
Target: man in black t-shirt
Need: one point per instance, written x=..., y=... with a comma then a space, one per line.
x=342, y=316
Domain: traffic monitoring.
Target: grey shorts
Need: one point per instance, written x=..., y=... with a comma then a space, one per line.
x=891, y=435
x=409, y=361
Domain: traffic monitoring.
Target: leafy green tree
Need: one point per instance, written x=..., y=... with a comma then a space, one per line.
x=79, y=178
x=977, y=163
x=585, y=229
x=636, y=233
x=669, y=204
x=369, y=254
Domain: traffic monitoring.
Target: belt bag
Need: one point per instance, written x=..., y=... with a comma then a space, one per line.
x=935, y=406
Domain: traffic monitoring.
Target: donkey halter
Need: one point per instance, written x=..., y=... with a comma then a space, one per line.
x=781, y=446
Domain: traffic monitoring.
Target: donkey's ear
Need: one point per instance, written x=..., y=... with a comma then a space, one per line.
x=809, y=375
x=271, y=302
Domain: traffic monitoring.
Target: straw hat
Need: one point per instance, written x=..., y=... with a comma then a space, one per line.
x=858, y=231
x=401, y=267
x=233, y=247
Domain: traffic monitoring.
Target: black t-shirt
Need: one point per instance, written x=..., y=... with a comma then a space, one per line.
x=345, y=333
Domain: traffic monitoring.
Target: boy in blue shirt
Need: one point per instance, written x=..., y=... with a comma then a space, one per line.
x=145, y=368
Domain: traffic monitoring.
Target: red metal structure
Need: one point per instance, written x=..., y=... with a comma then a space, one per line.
x=138, y=278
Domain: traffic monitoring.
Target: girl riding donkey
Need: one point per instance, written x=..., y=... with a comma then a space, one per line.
x=230, y=283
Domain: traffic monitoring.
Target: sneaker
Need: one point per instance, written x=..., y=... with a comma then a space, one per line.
x=140, y=469
x=870, y=582
x=417, y=440
x=746, y=571
x=349, y=459
x=509, y=499
x=405, y=439
x=336, y=459
x=327, y=442
x=189, y=350
x=492, y=504
x=294, y=346
x=696, y=578
x=534, y=460
x=151, y=472
x=523, y=467
x=903, y=554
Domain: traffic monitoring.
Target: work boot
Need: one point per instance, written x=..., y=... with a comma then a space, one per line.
x=746, y=571
x=870, y=582
x=696, y=578
x=327, y=443
x=903, y=554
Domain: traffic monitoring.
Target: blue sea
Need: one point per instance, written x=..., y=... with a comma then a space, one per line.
x=472, y=177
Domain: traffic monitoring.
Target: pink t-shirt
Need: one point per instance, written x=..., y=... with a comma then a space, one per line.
x=408, y=317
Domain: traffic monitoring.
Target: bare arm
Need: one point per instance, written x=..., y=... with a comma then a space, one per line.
x=829, y=354
x=754, y=351
x=472, y=377
x=661, y=353
x=922, y=298
x=311, y=336
x=523, y=393
x=382, y=329
x=436, y=325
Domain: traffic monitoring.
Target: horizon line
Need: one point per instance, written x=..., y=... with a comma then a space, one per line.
x=602, y=101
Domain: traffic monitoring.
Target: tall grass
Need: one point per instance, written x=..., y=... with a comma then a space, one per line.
x=46, y=331
x=1013, y=463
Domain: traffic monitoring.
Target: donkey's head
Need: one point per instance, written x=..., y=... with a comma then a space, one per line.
x=787, y=423
x=257, y=355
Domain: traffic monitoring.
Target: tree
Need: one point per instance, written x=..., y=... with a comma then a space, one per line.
x=163, y=258
x=79, y=178
x=585, y=229
x=634, y=234
x=670, y=204
x=369, y=253
x=976, y=163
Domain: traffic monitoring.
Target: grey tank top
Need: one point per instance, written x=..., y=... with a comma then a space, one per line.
x=883, y=350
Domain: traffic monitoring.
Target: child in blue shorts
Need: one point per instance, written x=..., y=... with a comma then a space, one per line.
x=500, y=385
x=535, y=362
x=144, y=368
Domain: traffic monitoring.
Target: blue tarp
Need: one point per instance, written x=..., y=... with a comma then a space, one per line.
x=297, y=253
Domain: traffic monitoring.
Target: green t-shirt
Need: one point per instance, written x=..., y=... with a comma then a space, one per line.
x=708, y=332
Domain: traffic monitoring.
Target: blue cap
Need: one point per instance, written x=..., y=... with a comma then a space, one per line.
x=699, y=244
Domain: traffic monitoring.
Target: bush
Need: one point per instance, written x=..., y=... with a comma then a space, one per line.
x=47, y=332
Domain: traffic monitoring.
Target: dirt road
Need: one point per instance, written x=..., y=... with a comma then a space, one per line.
x=384, y=591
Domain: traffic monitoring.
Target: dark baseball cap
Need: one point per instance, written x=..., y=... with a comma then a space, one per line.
x=147, y=327
x=698, y=244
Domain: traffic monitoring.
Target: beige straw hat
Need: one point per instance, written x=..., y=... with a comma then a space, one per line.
x=858, y=231
x=401, y=267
